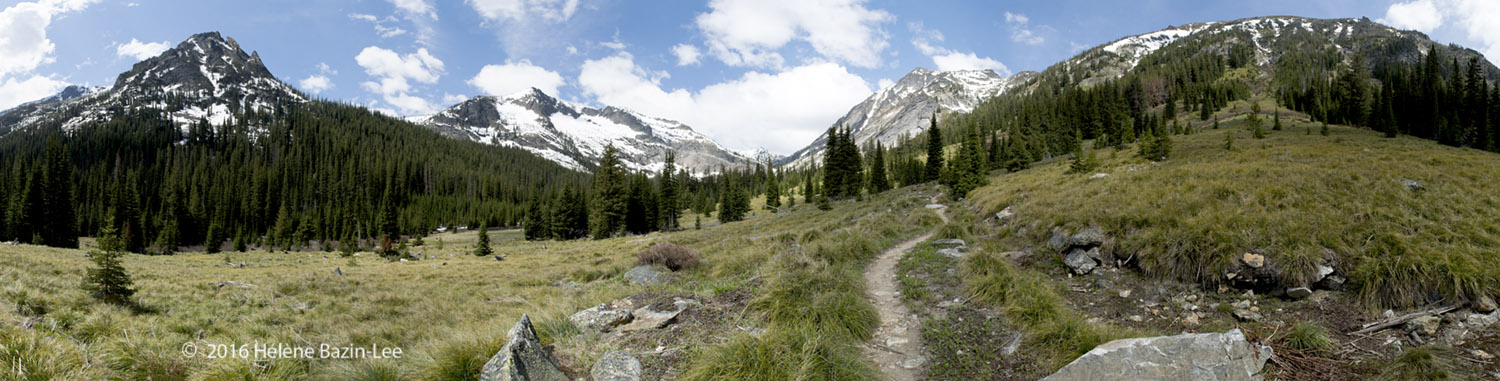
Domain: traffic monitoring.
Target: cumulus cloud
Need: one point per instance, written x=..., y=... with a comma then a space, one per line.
x=1020, y=31
x=779, y=111
x=528, y=28
x=141, y=50
x=416, y=7
x=515, y=77
x=316, y=83
x=752, y=32
x=1473, y=18
x=686, y=54
x=24, y=47
x=393, y=73
x=1416, y=15
x=928, y=42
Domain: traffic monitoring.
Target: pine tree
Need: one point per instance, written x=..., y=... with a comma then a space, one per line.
x=1229, y=141
x=57, y=221
x=773, y=189
x=1324, y=130
x=482, y=247
x=1277, y=125
x=609, y=195
x=1203, y=110
x=934, y=151
x=735, y=203
x=108, y=281
x=538, y=224
x=879, y=182
x=670, y=208
x=1083, y=163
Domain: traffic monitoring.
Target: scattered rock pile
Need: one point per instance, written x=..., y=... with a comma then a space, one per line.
x=1080, y=251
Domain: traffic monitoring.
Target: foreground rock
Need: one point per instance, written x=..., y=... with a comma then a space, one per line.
x=645, y=276
x=1201, y=356
x=649, y=317
x=522, y=358
x=601, y=318
x=617, y=366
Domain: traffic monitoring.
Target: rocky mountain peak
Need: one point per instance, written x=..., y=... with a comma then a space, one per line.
x=206, y=64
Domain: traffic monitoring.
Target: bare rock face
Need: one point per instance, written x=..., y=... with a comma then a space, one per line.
x=523, y=358
x=1199, y=356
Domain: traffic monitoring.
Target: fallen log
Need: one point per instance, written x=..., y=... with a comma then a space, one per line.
x=1399, y=320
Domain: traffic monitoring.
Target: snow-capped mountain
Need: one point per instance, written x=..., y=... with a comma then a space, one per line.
x=575, y=135
x=1261, y=40
x=205, y=78
x=905, y=108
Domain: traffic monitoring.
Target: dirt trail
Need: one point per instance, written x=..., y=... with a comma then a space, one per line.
x=897, y=346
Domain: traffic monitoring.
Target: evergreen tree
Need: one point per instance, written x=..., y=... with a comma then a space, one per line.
x=482, y=247
x=570, y=215
x=735, y=203
x=773, y=189
x=1324, y=130
x=1083, y=163
x=609, y=195
x=1229, y=141
x=108, y=281
x=934, y=151
x=1277, y=125
x=670, y=209
x=538, y=222
x=879, y=182
x=57, y=222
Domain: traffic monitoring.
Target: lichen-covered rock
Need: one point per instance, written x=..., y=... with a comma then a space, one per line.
x=617, y=366
x=523, y=358
x=1082, y=261
x=1200, y=356
x=599, y=319
x=645, y=276
x=1090, y=237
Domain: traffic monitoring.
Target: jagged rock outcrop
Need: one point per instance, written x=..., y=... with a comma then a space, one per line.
x=523, y=358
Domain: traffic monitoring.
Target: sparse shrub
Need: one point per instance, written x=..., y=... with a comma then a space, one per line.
x=108, y=282
x=672, y=256
x=1306, y=336
x=1083, y=163
x=439, y=244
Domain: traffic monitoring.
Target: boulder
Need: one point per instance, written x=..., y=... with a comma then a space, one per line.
x=957, y=252
x=617, y=366
x=1412, y=184
x=1478, y=321
x=1253, y=260
x=1247, y=315
x=600, y=319
x=1059, y=239
x=948, y=242
x=650, y=317
x=1298, y=292
x=1082, y=261
x=1090, y=237
x=1426, y=325
x=1332, y=282
x=522, y=358
x=644, y=276
x=1200, y=356
x=1005, y=213
x=1484, y=304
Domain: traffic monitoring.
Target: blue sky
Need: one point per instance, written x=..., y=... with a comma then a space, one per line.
x=749, y=73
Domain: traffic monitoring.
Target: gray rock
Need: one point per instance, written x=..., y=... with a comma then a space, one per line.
x=1477, y=321
x=522, y=358
x=1082, y=261
x=617, y=366
x=1332, y=282
x=1298, y=292
x=949, y=242
x=1089, y=237
x=936, y=206
x=644, y=276
x=1426, y=325
x=1485, y=304
x=600, y=319
x=1003, y=214
x=954, y=252
x=1324, y=271
x=1201, y=356
x=651, y=318
x=1247, y=315
x=1412, y=184
x=1059, y=239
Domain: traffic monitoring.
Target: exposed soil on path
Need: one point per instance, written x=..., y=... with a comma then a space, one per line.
x=897, y=346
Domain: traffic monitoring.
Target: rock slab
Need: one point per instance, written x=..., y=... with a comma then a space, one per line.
x=601, y=318
x=1200, y=356
x=523, y=358
x=617, y=366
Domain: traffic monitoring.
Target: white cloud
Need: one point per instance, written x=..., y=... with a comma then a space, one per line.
x=316, y=83
x=515, y=77
x=1020, y=30
x=416, y=7
x=1417, y=15
x=380, y=24
x=1475, y=19
x=24, y=47
x=968, y=61
x=780, y=111
x=13, y=93
x=394, y=72
x=752, y=32
x=928, y=42
x=686, y=54
x=521, y=10
x=450, y=99
x=885, y=83
x=141, y=50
